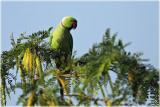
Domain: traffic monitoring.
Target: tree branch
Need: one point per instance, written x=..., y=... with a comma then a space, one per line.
x=70, y=75
x=92, y=99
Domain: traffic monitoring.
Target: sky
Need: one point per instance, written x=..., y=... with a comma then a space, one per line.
x=135, y=22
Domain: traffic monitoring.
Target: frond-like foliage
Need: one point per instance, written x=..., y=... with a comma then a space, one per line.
x=105, y=75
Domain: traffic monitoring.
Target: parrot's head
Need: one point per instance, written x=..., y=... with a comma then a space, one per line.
x=69, y=22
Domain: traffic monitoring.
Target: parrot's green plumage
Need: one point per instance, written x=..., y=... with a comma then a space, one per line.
x=62, y=42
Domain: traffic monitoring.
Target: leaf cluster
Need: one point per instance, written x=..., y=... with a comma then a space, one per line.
x=106, y=75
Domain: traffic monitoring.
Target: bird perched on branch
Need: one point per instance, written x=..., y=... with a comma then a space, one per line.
x=62, y=42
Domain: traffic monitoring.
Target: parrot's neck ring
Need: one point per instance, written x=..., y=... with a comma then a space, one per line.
x=65, y=27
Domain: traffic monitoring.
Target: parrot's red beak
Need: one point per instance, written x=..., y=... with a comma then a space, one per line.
x=74, y=25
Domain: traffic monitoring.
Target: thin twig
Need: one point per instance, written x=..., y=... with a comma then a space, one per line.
x=92, y=99
x=70, y=75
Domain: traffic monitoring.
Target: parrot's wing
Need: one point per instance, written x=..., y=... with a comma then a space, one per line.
x=71, y=44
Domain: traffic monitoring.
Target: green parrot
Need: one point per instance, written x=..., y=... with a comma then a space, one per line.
x=62, y=42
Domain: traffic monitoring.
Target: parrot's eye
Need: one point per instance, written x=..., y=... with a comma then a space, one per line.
x=70, y=20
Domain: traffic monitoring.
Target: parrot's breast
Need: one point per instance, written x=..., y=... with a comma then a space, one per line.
x=61, y=40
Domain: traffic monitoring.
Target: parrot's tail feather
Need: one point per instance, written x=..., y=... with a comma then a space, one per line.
x=61, y=89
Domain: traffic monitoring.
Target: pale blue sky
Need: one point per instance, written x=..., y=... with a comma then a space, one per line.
x=135, y=22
